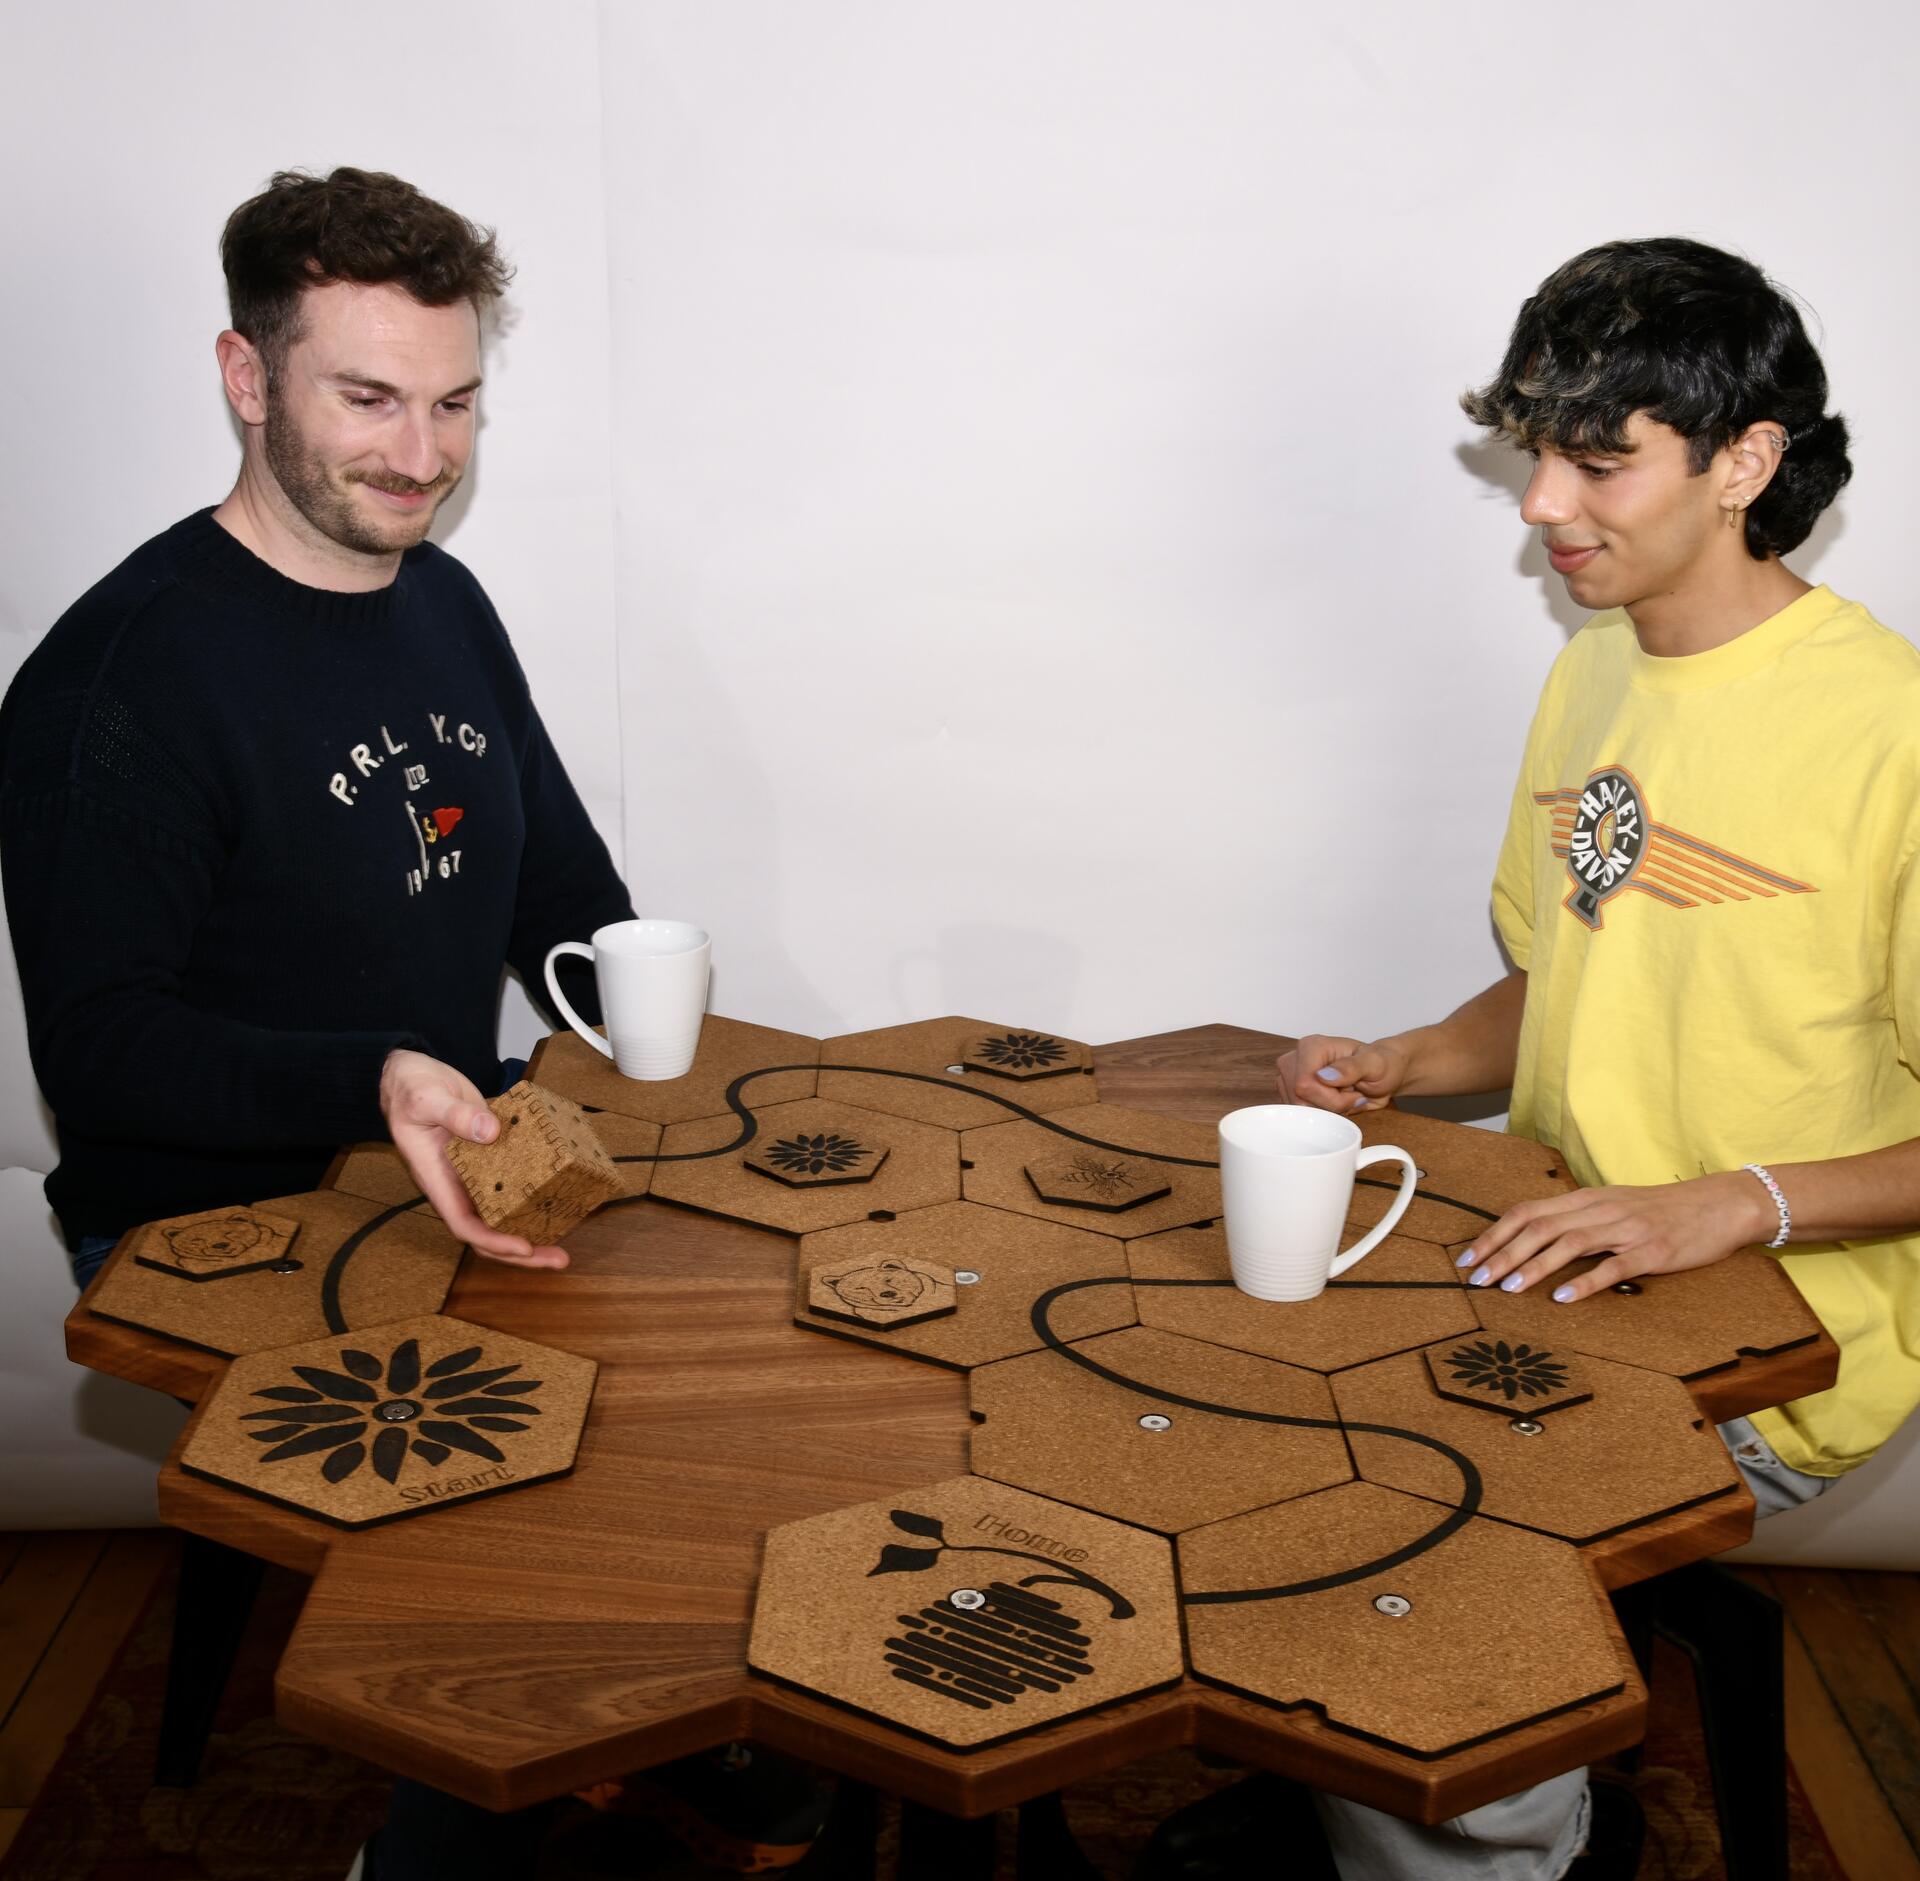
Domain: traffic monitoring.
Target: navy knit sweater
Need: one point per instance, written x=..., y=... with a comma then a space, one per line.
x=255, y=835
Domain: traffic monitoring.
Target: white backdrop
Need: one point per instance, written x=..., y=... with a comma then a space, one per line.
x=978, y=490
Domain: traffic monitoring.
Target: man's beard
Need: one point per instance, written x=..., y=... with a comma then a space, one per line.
x=330, y=509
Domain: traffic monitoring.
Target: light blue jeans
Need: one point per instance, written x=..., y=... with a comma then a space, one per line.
x=1534, y=1834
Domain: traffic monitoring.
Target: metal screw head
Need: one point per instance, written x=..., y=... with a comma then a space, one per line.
x=284, y=1267
x=1154, y=1421
x=966, y=1277
x=1626, y=1286
x=1394, y=1606
x=397, y=1411
x=967, y=1598
x=1526, y=1426
x=957, y=1071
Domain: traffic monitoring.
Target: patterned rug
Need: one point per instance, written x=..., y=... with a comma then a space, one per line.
x=272, y=1804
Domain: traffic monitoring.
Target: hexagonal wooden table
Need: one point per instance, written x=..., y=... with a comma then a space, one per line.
x=510, y=1649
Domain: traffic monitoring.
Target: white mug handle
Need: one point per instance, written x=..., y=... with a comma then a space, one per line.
x=580, y=1025
x=1409, y=1175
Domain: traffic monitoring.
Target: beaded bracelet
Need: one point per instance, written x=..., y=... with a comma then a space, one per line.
x=1779, y=1202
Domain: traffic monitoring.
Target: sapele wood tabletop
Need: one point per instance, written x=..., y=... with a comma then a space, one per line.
x=511, y=1649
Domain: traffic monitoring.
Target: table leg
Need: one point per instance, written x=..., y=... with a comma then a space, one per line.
x=1048, y=1851
x=844, y=1850
x=215, y=1595
x=936, y=1847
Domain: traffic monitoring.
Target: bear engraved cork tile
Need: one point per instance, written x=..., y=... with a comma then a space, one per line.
x=966, y=1611
x=545, y=1172
x=392, y=1420
x=884, y=1293
x=243, y=1279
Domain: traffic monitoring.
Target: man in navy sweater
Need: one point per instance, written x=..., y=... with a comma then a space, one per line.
x=275, y=805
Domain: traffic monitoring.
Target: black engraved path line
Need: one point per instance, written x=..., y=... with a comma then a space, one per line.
x=330, y=1281
x=1462, y=1512
x=749, y=1128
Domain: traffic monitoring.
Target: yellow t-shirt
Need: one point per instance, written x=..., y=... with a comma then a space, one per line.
x=1709, y=878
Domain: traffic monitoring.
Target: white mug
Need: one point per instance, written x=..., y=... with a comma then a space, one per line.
x=1286, y=1179
x=653, y=990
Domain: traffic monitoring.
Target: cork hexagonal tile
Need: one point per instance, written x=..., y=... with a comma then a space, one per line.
x=881, y=1294
x=956, y=1072
x=1508, y=1377
x=777, y=1066
x=1468, y=1176
x=1155, y=1429
x=1099, y=1181
x=1709, y=1317
x=1404, y=1294
x=1295, y=1605
x=716, y=1166
x=1155, y=1151
x=350, y=1262
x=1637, y=1448
x=1002, y=1263
x=967, y=1612
x=393, y=1420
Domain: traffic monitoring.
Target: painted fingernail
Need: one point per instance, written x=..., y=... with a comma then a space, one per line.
x=1481, y=1278
x=1359, y=1103
x=1468, y=1258
x=1512, y=1284
x=1563, y=1294
x=1327, y=1075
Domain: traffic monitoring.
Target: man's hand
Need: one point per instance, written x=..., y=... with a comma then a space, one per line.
x=1341, y=1073
x=426, y=1104
x=1657, y=1230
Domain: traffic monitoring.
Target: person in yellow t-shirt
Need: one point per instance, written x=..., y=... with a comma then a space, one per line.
x=1708, y=893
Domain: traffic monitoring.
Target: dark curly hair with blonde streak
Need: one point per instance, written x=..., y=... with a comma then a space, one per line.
x=1699, y=340
x=363, y=226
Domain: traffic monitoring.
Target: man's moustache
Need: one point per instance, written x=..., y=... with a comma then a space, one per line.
x=400, y=486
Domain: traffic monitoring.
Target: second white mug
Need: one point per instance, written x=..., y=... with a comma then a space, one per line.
x=1286, y=1179
x=653, y=990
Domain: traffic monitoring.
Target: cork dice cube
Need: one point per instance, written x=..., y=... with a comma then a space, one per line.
x=546, y=1171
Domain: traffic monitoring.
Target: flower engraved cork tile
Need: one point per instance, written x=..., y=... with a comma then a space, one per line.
x=245, y=1279
x=959, y=1073
x=546, y=1171
x=392, y=1420
x=966, y=1611
x=818, y=1159
x=882, y=1293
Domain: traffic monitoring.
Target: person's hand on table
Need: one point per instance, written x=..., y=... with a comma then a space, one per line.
x=1657, y=1230
x=426, y=1105
x=1341, y=1074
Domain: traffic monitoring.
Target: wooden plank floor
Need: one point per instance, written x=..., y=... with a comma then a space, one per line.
x=67, y=1600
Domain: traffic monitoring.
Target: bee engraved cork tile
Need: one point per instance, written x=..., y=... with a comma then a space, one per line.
x=966, y=1611
x=392, y=1420
x=546, y=1171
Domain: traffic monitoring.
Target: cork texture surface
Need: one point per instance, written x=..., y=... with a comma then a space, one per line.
x=1509, y=1377
x=1633, y=1451
x=1008, y=1262
x=1405, y=1294
x=1166, y=1150
x=1453, y=1668
x=1707, y=1317
x=966, y=1611
x=544, y=1173
x=936, y=1070
x=1168, y=1433
x=1098, y=1181
x=216, y=1244
x=729, y=1049
x=394, y=1420
x=363, y=1260
x=705, y=1165
x=1469, y=1177
x=881, y=1294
